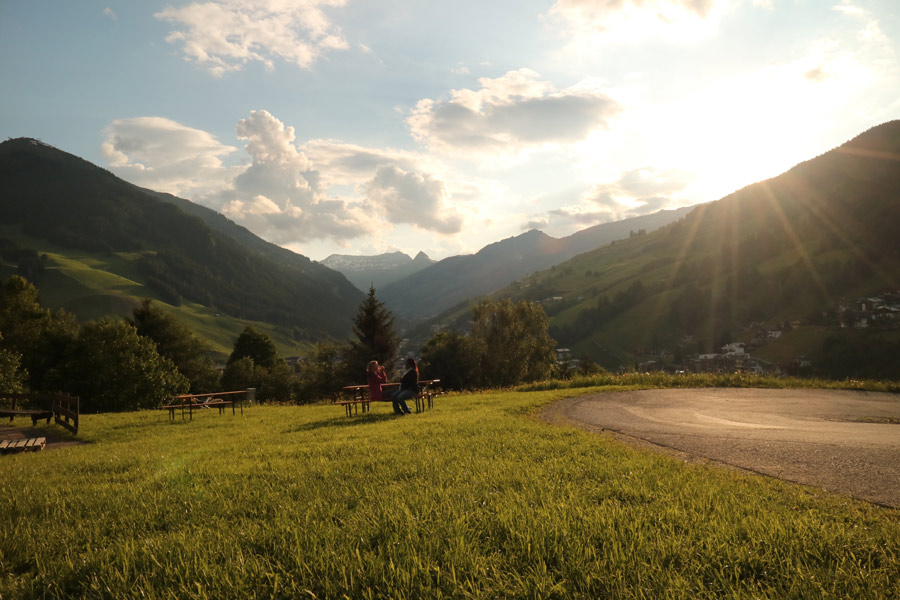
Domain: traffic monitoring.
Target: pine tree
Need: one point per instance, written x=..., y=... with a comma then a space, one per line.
x=375, y=337
x=256, y=345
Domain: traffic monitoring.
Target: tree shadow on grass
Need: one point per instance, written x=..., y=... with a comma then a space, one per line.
x=56, y=436
x=344, y=421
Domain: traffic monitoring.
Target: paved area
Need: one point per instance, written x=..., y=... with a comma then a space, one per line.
x=841, y=441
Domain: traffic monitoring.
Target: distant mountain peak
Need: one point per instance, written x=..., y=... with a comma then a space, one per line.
x=378, y=270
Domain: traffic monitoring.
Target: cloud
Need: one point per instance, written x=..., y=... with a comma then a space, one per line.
x=110, y=13
x=647, y=181
x=340, y=162
x=849, y=7
x=510, y=116
x=278, y=196
x=413, y=198
x=592, y=21
x=816, y=74
x=284, y=194
x=225, y=35
x=167, y=156
x=637, y=192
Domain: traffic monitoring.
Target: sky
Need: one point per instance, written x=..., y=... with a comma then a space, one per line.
x=368, y=126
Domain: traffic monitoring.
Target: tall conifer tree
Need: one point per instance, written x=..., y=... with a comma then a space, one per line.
x=375, y=337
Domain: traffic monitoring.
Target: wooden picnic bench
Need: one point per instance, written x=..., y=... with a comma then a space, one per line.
x=354, y=397
x=62, y=408
x=22, y=445
x=191, y=403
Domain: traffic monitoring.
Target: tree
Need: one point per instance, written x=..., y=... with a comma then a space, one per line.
x=280, y=384
x=449, y=356
x=255, y=363
x=511, y=342
x=112, y=368
x=244, y=373
x=375, y=337
x=322, y=373
x=31, y=331
x=176, y=342
x=257, y=346
x=11, y=379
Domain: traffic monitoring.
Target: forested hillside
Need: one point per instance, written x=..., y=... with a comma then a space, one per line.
x=459, y=278
x=779, y=266
x=57, y=198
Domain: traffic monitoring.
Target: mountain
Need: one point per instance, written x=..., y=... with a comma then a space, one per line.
x=446, y=283
x=129, y=243
x=379, y=270
x=803, y=267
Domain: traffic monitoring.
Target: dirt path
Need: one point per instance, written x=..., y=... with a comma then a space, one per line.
x=841, y=441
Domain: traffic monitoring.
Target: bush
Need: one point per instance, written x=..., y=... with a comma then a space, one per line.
x=112, y=368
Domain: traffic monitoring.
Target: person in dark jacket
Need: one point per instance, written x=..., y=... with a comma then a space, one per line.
x=409, y=387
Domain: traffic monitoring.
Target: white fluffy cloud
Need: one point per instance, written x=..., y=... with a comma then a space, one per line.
x=413, y=198
x=285, y=195
x=278, y=196
x=510, y=116
x=638, y=192
x=224, y=35
x=340, y=162
x=166, y=156
x=590, y=21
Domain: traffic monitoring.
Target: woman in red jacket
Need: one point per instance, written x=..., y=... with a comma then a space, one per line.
x=375, y=377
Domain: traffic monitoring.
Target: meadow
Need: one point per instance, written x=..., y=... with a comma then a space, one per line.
x=476, y=498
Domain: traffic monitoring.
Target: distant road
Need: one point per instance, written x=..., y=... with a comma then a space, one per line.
x=841, y=441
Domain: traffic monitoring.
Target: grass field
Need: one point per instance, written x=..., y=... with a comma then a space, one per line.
x=476, y=498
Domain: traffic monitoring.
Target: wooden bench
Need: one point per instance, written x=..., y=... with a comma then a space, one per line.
x=23, y=445
x=63, y=409
x=352, y=405
x=356, y=396
x=191, y=403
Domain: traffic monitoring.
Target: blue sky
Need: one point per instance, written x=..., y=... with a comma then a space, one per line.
x=360, y=127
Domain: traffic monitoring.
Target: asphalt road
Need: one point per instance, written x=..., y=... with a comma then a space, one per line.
x=841, y=441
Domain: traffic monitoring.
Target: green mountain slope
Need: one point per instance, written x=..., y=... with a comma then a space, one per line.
x=786, y=255
x=444, y=284
x=108, y=243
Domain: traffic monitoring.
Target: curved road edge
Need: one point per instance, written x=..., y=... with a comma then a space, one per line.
x=839, y=441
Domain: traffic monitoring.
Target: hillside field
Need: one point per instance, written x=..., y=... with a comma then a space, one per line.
x=97, y=285
x=476, y=498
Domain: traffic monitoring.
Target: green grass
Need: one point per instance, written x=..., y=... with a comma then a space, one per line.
x=474, y=499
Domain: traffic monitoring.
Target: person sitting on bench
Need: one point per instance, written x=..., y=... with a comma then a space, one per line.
x=375, y=377
x=409, y=387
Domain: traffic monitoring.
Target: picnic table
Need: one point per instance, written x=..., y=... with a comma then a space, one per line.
x=62, y=408
x=191, y=403
x=356, y=397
